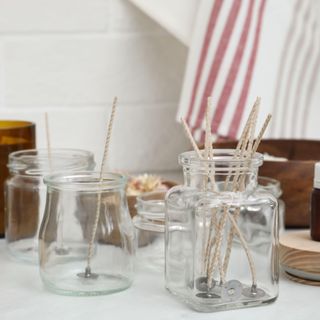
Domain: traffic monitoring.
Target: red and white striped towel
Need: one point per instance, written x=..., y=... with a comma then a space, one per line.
x=247, y=48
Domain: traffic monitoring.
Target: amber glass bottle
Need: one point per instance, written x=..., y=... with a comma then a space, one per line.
x=14, y=135
x=315, y=205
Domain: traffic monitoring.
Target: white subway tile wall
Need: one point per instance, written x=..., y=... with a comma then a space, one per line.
x=41, y=16
x=70, y=57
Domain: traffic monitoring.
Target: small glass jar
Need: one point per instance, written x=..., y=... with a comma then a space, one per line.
x=221, y=234
x=86, y=241
x=149, y=224
x=26, y=194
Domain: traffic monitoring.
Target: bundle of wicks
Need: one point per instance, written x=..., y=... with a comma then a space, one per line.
x=245, y=150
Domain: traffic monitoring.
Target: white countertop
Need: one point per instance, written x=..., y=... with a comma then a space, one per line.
x=22, y=296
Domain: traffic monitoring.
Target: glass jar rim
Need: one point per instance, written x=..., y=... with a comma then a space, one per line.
x=85, y=181
x=36, y=162
x=150, y=208
x=220, y=158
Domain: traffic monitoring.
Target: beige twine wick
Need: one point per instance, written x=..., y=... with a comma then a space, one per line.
x=208, y=146
x=103, y=164
x=198, y=152
x=243, y=141
x=213, y=219
x=208, y=153
x=46, y=120
x=60, y=246
x=211, y=176
x=205, y=180
x=190, y=138
x=253, y=123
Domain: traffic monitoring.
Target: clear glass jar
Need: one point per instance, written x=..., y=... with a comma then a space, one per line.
x=86, y=241
x=219, y=255
x=26, y=194
x=149, y=225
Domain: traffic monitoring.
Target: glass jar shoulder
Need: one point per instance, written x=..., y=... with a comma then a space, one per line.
x=182, y=196
x=253, y=200
x=185, y=196
x=262, y=197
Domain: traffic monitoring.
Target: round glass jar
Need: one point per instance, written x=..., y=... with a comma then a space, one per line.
x=149, y=226
x=25, y=194
x=221, y=234
x=86, y=240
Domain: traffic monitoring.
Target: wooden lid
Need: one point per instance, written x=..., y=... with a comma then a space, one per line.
x=300, y=257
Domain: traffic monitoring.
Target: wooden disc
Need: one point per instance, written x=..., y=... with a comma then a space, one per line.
x=300, y=257
x=302, y=281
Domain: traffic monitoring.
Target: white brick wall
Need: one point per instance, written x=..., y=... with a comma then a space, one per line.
x=42, y=16
x=70, y=57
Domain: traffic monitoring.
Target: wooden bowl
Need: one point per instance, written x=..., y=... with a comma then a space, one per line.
x=295, y=175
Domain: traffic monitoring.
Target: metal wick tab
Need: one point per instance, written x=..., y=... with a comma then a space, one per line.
x=61, y=251
x=206, y=292
x=231, y=290
x=253, y=292
x=87, y=274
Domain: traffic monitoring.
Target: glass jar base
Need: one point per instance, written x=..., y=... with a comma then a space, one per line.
x=25, y=250
x=72, y=285
x=213, y=301
x=229, y=305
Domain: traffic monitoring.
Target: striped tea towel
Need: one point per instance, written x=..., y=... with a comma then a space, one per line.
x=247, y=48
